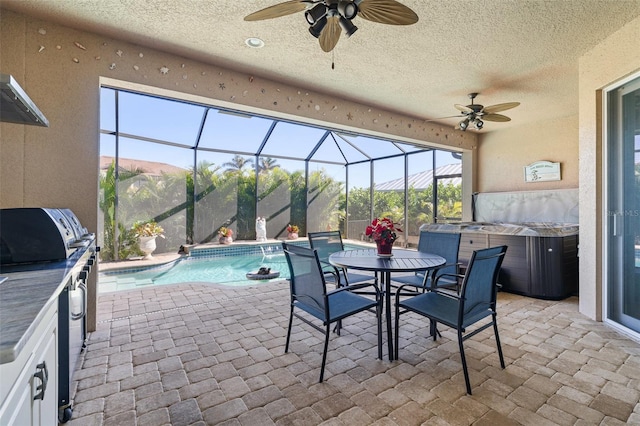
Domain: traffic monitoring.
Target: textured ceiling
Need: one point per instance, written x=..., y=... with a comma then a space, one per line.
x=508, y=50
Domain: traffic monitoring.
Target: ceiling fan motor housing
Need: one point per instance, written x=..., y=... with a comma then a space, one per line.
x=477, y=109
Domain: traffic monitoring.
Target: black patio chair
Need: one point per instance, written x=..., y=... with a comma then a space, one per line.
x=327, y=243
x=309, y=294
x=443, y=244
x=476, y=301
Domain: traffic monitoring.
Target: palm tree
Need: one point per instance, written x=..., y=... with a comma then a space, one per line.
x=237, y=163
x=266, y=164
x=107, y=203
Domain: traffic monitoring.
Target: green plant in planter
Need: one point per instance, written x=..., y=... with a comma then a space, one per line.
x=147, y=229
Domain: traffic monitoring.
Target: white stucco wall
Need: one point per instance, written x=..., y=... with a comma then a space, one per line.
x=507, y=152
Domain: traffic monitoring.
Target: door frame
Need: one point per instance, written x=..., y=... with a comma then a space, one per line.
x=605, y=202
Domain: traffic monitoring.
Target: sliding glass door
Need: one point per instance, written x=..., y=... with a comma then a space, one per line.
x=623, y=205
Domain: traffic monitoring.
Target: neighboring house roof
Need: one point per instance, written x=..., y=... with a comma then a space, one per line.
x=149, y=168
x=424, y=179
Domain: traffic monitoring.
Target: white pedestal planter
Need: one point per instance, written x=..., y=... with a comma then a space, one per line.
x=147, y=245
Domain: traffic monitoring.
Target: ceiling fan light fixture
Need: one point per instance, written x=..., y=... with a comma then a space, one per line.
x=348, y=9
x=464, y=124
x=316, y=13
x=316, y=29
x=478, y=123
x=347, y=26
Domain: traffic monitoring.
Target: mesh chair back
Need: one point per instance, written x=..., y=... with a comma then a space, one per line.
x=479, y=289
x=443, y=244
x=325, y=243
x=307, y=280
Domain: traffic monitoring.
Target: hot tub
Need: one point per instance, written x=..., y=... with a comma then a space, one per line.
x=541, y=261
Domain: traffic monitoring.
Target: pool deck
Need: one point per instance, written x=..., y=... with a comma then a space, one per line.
x=192, y=354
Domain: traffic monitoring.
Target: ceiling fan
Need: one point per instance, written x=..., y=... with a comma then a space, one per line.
x=328, y=18
x=476, y=114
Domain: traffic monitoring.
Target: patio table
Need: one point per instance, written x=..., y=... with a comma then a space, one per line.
x=402, y=260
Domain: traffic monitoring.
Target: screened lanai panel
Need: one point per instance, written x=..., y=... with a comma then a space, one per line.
x=329, y=151
x=373, y=148
x=359, y=201
x=154, y=190
x=247, y=166
x=277, y=198
x=161, y=119
x=420, y=192
x=233, y=132
x=449, y=194
x=326, y=198
x=350, y=152
x=219, y=197
x=108, y=110
x=106, y=197
x=408, y=148
x=292, y=140
x=389, y=203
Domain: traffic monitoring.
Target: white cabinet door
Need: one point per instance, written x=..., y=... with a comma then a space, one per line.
x=20, y=413
x=46, y=409
x=39, y=364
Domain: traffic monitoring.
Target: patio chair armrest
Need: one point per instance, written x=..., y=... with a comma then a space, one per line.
x=435, y=270
x=456, y=276
x=354, y=287
x=457, y=265
x=399, y=291
x=326, y=264
x=447, y=294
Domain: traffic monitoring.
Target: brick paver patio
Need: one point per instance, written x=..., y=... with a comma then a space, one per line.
x=196, y=354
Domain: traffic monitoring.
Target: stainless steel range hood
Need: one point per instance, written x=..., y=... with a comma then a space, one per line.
x=16, y=106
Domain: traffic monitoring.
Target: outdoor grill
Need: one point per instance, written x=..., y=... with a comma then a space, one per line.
x=41, y=238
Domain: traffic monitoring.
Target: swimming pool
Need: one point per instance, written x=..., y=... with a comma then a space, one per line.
x=226, y=266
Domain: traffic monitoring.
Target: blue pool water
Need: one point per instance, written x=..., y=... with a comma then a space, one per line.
x=226, y=266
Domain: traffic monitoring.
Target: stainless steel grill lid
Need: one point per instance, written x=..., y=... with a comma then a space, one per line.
x=31, y=235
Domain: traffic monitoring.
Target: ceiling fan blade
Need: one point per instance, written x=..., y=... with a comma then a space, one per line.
x=500, y=107
x=330, y=34
x=463, y=108
x=495, y=117
x=386, y=12
x=278, y=10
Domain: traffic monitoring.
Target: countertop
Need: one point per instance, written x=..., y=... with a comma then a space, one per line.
x=25, y=296
x=527, y=229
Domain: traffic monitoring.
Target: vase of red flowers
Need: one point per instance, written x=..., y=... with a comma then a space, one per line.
x=383, y=232
x=292, y=232
x=225, y=235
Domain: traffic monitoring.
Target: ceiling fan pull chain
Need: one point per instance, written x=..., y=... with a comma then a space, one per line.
x=333, y=57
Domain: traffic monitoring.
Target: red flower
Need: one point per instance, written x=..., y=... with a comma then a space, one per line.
x=383, y=229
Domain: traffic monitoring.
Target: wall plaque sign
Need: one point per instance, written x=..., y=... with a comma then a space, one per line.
x=542, y=171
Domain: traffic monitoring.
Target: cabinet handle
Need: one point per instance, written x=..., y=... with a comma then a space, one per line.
x=79, y=315
x=42, y=373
